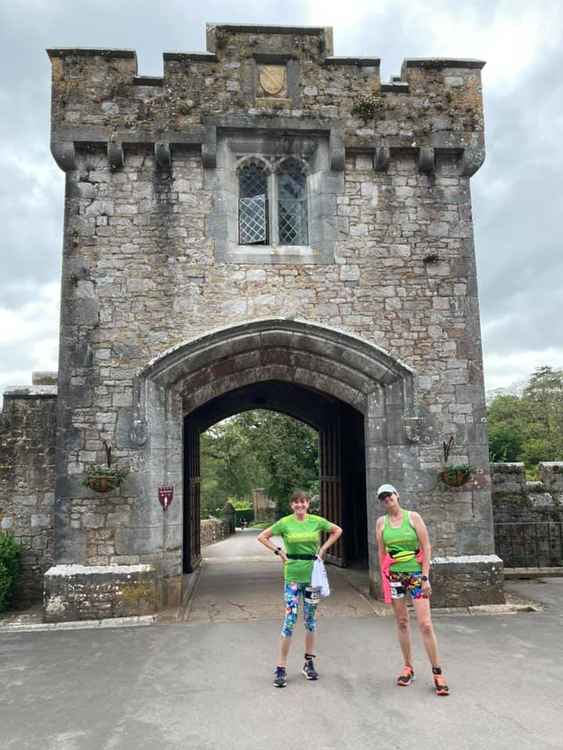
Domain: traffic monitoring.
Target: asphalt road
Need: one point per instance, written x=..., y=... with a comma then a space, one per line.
x=202, y=685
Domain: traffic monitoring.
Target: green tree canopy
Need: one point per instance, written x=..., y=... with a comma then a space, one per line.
x=529, y=428
x=258, y=448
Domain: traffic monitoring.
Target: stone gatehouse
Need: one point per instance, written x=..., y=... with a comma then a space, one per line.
x=268, y=225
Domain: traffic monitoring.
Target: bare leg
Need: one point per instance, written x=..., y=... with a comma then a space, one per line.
x=422, y=609
x=403, y=630
x=285, y=644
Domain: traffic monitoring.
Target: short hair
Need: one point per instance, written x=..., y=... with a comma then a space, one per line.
x=297, y=494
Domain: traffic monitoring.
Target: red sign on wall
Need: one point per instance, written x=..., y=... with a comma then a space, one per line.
x=165, y=496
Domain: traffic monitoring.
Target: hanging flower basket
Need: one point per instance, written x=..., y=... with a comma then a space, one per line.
x=104, y=478
x=456, y=475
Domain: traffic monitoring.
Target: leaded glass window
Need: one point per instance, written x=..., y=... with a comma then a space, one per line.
x=292, y=203
x=253, y=204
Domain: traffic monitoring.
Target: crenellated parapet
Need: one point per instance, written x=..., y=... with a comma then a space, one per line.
x=269, y=77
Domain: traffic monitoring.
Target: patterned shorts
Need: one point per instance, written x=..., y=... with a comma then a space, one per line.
x=292, y=593
x=405, y=583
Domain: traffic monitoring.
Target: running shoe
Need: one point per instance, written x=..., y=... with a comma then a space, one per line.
x=309, y=670
x=280, y=677
x=406, y=677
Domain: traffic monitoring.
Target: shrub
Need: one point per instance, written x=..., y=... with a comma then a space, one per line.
x=10, y=565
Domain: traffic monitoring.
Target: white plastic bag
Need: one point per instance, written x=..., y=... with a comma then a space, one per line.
x=319, y=579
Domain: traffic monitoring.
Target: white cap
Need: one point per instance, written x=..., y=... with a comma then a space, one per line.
x=386, y=488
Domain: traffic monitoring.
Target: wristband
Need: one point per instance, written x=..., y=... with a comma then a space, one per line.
x=423, y=578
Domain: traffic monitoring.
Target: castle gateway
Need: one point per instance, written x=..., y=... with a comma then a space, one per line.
x=268, y=225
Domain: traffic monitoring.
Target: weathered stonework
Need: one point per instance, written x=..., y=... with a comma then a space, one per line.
x=213, y=530
x=27, y=478
x=164, y=314
x=467, y=581
x=76, y=592
x=528, y=515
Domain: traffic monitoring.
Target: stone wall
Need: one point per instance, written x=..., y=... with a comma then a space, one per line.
x=213, y=530
x=27, y=479
x=528, y=515
x=517, y=500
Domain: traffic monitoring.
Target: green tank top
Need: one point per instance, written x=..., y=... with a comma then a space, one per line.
x=402, y=544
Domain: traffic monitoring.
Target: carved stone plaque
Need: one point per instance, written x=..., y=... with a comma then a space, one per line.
x=273, y=80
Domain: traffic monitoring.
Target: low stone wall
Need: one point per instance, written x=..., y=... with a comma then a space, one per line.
x=27, y=478
x=528, y=516
x=516, y=500
x=213, y=530
x=467, y=581
x=464, y=581
x=77, y=592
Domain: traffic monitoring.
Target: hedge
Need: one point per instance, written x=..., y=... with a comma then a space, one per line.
x=10, y=566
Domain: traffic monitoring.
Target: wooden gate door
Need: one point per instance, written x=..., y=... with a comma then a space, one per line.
x=192, y=487
x=330, y=450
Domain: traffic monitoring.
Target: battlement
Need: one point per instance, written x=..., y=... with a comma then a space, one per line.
x=286, y=75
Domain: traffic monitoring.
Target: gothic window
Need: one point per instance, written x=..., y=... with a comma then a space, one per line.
x=292, y=203
x=272, y=209
x=253, y=204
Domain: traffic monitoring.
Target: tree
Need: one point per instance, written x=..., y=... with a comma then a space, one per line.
x=529, y=428
x=258, y=448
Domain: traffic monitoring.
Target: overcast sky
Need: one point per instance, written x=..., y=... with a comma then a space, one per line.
x=517, y=194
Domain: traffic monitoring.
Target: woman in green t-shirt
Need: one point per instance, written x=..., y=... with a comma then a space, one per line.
x=301, y=534
x=404, y=562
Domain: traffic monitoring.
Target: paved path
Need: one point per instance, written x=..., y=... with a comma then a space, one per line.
x=206, y=685
x=241, y=580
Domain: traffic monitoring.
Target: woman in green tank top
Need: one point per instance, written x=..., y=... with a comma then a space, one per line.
x=404, y=562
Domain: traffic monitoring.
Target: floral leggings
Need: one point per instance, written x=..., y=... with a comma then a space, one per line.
x=292, y=592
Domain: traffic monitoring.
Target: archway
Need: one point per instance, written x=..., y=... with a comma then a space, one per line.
x=342, y=460
x=297, y=367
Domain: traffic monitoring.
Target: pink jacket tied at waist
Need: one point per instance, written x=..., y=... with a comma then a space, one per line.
x=385, y=569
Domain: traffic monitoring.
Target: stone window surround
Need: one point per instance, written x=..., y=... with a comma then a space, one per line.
x=274, y=168
x=324, y=183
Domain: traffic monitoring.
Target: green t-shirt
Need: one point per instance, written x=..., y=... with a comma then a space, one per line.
x=300, y=538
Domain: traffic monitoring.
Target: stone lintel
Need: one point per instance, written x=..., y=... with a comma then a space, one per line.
x=189, y=57
x=30, y=391
x=148, y=81
x=395, y=87
x=124, y=54
x=443, y=62
x=362, y=62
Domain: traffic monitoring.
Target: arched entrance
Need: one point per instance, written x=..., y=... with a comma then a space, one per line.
x=342, y=460
x=356, y=395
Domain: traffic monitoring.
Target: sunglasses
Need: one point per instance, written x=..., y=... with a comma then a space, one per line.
x=384, y=496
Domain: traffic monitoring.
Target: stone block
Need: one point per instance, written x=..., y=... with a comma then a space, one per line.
x=467, y=581
x=78, y=592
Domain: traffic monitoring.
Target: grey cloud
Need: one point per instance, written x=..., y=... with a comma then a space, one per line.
x=518, y=236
